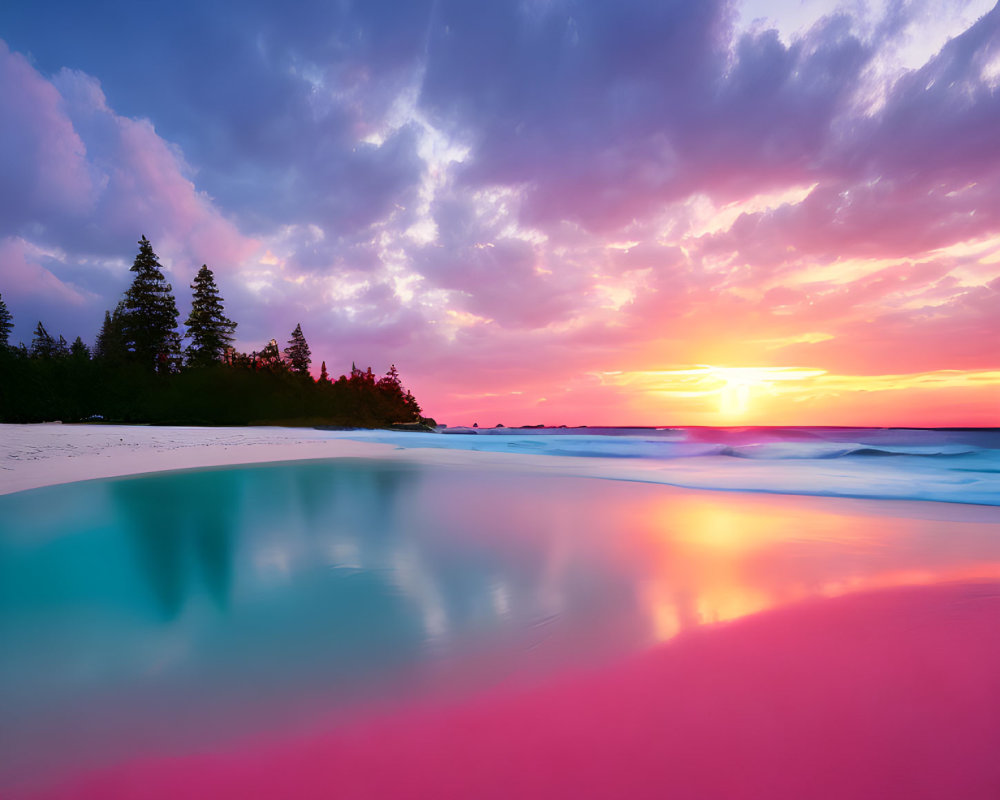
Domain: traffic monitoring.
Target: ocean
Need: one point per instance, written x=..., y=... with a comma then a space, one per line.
x=947, y=465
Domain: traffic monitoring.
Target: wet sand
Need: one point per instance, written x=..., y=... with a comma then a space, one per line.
x=878, y=695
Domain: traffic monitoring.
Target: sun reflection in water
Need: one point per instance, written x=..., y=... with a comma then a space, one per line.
x=715, y=560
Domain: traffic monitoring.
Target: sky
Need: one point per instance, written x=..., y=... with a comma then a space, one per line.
x=648, y=212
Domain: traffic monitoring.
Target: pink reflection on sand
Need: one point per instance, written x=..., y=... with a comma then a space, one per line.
x=894, y=693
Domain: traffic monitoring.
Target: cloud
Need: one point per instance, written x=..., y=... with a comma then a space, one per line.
x=607, y=114
x=487, y=193
x=920, y=174
x=43, y=166
x=81, y=178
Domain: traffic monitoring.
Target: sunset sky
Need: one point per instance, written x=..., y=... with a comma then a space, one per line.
x=645, y=212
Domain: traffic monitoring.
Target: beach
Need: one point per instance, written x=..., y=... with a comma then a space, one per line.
x=954, y=467
x=491, y=624
x=32, y=456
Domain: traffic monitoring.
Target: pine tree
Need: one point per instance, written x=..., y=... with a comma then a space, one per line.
x=149, y=319
x=42, y=343
x=79, y=351
x=61, y=348
x=297, y=352
x=6, y=325
x=269, y=358
x=210, y=331
x=110, y=344
x=324, y=376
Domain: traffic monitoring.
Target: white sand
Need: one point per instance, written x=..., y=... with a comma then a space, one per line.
x=32, y=456
x=40, y=455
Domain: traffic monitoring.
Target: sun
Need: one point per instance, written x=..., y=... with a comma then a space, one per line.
x=734, y=398
x=724, y=394
x=737, y=386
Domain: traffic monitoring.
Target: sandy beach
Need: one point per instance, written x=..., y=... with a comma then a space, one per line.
x=32, y=456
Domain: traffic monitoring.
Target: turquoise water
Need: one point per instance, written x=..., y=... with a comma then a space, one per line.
x=177, y=609
x=181, y=612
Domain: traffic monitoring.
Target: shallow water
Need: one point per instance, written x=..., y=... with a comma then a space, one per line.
x=188, y=612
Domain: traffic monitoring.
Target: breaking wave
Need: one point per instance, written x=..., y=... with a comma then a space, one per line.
x=961, y=466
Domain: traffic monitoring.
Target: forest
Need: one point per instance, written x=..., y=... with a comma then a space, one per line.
x=143, y=370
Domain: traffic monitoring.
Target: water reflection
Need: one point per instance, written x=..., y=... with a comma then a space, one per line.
x=186, y=609
x=721, y=558
x=179, y=531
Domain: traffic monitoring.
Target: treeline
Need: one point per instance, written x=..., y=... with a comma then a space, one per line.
x=140, y=370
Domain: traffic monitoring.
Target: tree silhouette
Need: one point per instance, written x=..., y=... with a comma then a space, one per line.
x=297, y=352
x=149, y=319
x=61, y=348
x=270, y=358
x=110, y=344
x=6, y=325
x=119, y=380
x=79, y=351
x=210, y=330
x=42, y=343
x=392, y=376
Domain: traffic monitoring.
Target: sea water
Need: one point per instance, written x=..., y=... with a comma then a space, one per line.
x=948, y=465
x=190, y=612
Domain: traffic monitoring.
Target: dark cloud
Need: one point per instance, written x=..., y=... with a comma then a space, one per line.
x=608, y=113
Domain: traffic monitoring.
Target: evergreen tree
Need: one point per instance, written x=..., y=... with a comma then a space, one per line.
x=210, y=331
x=42, y=343
x=324, y=376
x=79, y=351
x=6, y=325
x=269, y=358
x=297, y=352
x=110, y=344
x=149, y=318
x=61, y=348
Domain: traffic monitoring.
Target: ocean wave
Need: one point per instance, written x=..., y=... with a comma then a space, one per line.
x=802, y=450
x=958, y=467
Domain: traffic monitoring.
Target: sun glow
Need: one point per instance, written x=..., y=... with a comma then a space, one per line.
x=734, y=399
x=732, y=388
x=730, y=394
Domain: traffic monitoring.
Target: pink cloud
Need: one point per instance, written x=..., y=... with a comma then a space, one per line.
x=22, y=276
x=43, y=161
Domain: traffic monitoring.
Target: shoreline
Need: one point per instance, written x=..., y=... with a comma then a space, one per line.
x=48, y=454
x=34, y=456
